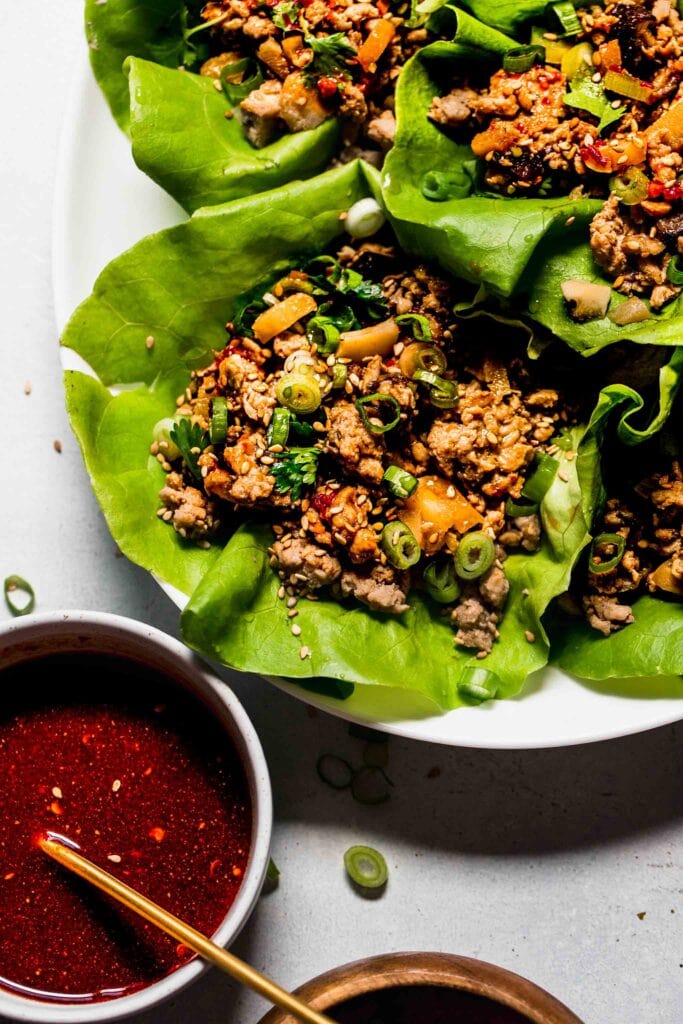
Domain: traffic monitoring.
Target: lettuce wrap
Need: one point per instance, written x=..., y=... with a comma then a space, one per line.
x=157, y=312
x=518, y=250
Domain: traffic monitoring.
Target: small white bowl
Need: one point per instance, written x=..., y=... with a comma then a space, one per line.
x=96, y=632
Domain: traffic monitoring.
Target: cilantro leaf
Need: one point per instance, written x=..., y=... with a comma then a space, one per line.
x=585, y=94
x=294, y=470
x=286, y=14
x=186, y=436
x=330, y=54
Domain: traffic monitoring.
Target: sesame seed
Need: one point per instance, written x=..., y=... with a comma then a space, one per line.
x=116, y=785
x=531, y=637
x=114, y=858
x=296, y=630
x=588, y=140
x=597, y=77
x=292, y=613
x=525, y=592
x=569, y=221
x=563, y=475
x=304, y=652
x=56, y=791
x=450, y=491
x=149, y=341
x=28, y=388
x=57, y=445
x=291, y=602
x=570, y=456
x=281, y=593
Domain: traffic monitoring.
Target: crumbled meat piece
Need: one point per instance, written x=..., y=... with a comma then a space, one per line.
x=348, y=438
x=260, y=112
x=382, y=129
x=475, y=624
x=605, y=614
x=353, y=104
x=193, y=515
x=256, y=27
x=530, y=530
x=288, y=343
x=234, y=370
x=300, y=106
x=305, y=563
x=383, y=590
x=252, y=483
x=272, y=55
x=494, y=587
x=454, y=108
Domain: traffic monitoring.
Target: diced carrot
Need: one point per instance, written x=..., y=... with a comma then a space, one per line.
x=610, y=54
x=375, y=43
x=434, y=508
x=670, y=122
x=279, y=318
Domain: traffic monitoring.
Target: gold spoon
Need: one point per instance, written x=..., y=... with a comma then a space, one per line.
x=181, y=932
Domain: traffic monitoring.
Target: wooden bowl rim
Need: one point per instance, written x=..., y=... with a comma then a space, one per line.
x=392, y=970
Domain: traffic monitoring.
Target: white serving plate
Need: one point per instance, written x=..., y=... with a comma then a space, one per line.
x=103, y=204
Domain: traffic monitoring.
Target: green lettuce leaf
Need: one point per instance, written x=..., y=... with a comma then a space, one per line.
x=523, y=248
x=183, y=141
x=507, y=15
x=653, y=644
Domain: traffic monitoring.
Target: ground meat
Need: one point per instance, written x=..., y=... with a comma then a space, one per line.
x=305, y=564
x=494, y=587
x=453, y=109
x=286, y=344
x=234, y=370
x=383, y=589
x=382, y=130
x=252, y=482
x=260, y=112
x=530, y=530
x=605, y=614
x=187, y=509
x=355, y=446
x=476, y=625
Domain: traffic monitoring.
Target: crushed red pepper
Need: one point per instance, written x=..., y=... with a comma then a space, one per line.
x=152, y=791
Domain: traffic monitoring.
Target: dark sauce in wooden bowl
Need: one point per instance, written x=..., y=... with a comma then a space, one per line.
x=122, y=762
x=423, y=1004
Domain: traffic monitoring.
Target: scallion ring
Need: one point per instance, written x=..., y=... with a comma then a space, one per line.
x=478, y=684
x=339, y=375
x=674, y=271
x=441, y=582
x=605, y=540
x=249, y=76
x=540, y=481
x=366, y=867
x=218, y=428
x=442, y=185
x=335, y=771
x=161, y=435
x=474, y=555
x=378, y=428
x=278, y=428
x=299, y=392
x=14, y=583
x=631, y=187
x=514, y=507
x=418, y=324
x=323, y=332
x=364, y=218
x=399, y=482
x=400, y=545
x=522, y=58
x=370, y=786
x=563, y=16
x=442, y=393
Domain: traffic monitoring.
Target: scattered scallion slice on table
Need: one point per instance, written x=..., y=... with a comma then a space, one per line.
x=366, y=867
x=335, y=771
x=14, y=584
x=370, y=786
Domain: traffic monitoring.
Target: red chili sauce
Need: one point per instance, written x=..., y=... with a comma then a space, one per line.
x=122, y=762
x=423, y=1004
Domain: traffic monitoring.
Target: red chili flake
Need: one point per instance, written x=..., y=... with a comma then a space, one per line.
x=85, y=738
x=327, y=86
x=655, y=189
x=157, y=833
x=56, y=807
x=181, y=950
x=147, y=771
x=593, y=153
x=322, y=502
x=673, y=192
x=237, y=872
x=213, y=867
x=9, y=875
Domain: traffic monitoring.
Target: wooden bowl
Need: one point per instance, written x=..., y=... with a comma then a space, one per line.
x=440, y=969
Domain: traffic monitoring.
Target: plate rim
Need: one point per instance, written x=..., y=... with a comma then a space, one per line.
x=671, y=709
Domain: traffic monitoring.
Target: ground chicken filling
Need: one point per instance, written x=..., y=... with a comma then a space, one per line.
x=387, y=452
x=604, y=120
x=638, y=549
x=305, y=60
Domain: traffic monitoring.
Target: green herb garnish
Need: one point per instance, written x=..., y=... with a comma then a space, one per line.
x=188, y=437
x=585, y=94
x=285, y=14
x=294, y=470
x=330, y=54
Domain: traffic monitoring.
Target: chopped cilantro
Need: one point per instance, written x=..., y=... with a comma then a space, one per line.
x=585, y=94
x=295, y=469
x=186, y=436
x=286, y=14
x=330, y=54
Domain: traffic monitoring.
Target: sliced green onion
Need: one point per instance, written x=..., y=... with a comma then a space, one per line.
x=339, y=375
x=272, y=871
x=364, y=218
x=474, y=556
x=378, y=428
x=235, y=92
x=370, y=786
x=299, y=392
x=14, y=583
x=630, y=187
x=400, y=545
x=516, y=508
x=431, y=359
x=278, y=428
x=442, y=393
x=555, y=49
x=218, y=428
x=563, y=16
x=441, y=582
x=540, y=481
x=161, y=434
x=441, y=185
x=335, y=771
x=419, y=325
x=627, y=85
x=324, y=333
x=604, y=540
x=522, y=58
x=477, y=684
x=399, y=482
x=674, y=271
x=366, y=867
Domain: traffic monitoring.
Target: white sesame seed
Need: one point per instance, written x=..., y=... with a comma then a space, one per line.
x=296, y=630
x=56, y=792
x=116, y=785
x=304, y=652
x=114, y=858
